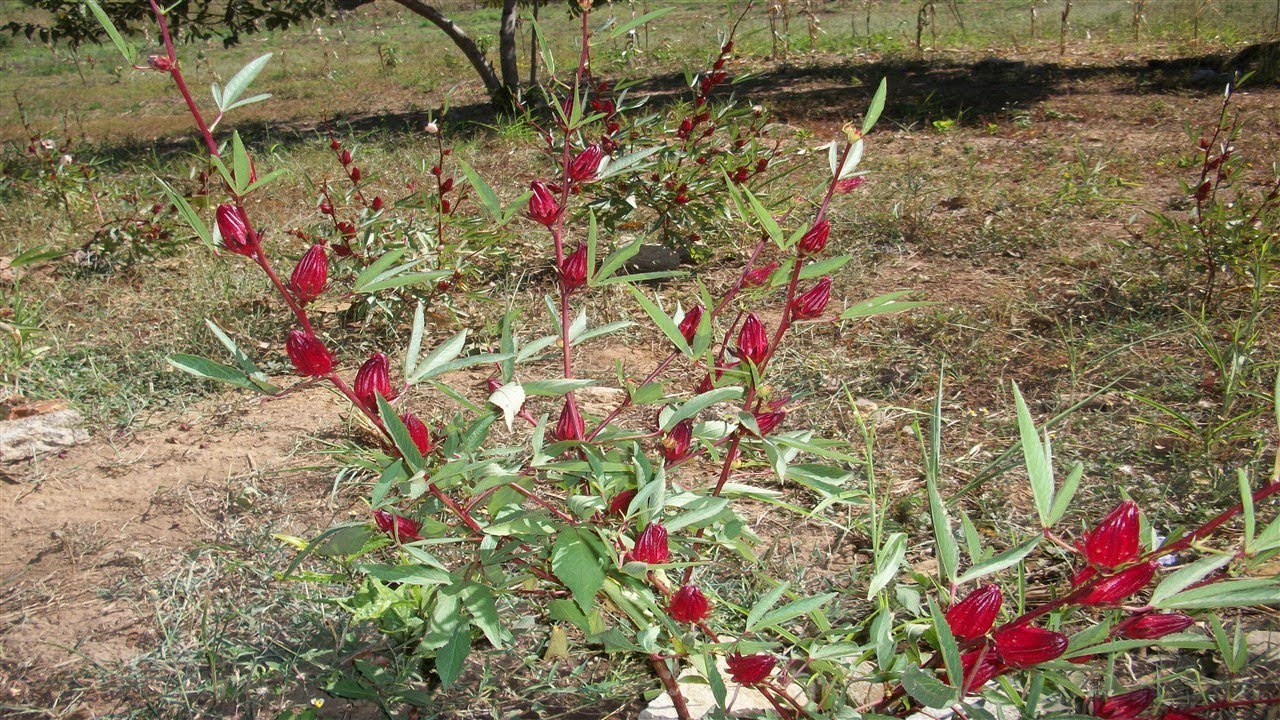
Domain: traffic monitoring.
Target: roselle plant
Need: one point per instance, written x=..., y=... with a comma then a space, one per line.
x=620, y=524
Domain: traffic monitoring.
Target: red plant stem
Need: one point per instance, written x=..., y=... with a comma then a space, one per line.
x=1208, y=528
x=299, y=312
x=673, y=687
x=546, y=505
x=178, y=80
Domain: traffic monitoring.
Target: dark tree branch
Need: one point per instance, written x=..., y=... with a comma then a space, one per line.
x=479, y=61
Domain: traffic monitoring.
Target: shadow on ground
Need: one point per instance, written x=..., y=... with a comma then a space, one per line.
x=824, y=89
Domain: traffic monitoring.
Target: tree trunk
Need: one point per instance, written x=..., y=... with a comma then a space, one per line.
x=507, y=46
x=498, y=91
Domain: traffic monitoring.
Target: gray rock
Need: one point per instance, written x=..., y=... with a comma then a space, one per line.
x=27, y=437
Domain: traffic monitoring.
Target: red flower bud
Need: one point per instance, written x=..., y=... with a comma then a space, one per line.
x=675, y=445
x=750, y=669
x=726, y=48
x=570, y=426
x=1150, y=626
x=1122, y=707
x=419, y=433
x=690, y=322
x=1115, y=541
x=347, y=229
x=310, y=274
x=620, y=502
x=973, y=616
x=401, y=528
x=686, y=127
x=769, y=421
x=447, y=185
x=334, y=144
x=707, y=384
x=573, y=272
x=753, y=341
x=651, y=547
x=372, y=379
x=445, y=207
x=345, y=157
x=308, y=354
x=848, y=185
x=355, y=174
x=584, y=167
x=1113, y=589
x=813, y=242
x=688, y=605
x=543, y=207
x=233, y=225
x=160, y=62
x=762, y=164
x=759, y=277
x=377, y=203
x=326, y=208
x=1023, y=646
x=812, y=302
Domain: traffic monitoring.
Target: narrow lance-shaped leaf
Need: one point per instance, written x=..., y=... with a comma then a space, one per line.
x=887, y=303
x=876, y=107
x=240, y=82
x=126, y=49
x=1039, y=470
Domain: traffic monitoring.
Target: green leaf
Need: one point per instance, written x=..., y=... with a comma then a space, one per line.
x=824, y=267
x=699, y=510
x=615, y=261
x=407, y=574
x=1008, y=558
x=1187, y=576
x=789, y=611
x=126, y=49
x=765, y=218
x=479, y=602
x=188, y=214
x=663, y=321
x=488, y=198
x=626, y=27
x=415, y=341
x=946, y=643
x=392, y=474
x=876, y=107
x=699, y=403
x=1062, y=499
x=444, y=353
x=451, y=658
x=888, y=559
x=210, y=370
x=240, y=163
x=948, y=552
x=887, y=303
x=258, y=377
x=400, y=434
x=927, y=689
x=239, y=83
x=1231, y=593
x=1038, y=460
x=1246, y=505
x=556, y=387
x=765, y=603
x=575, y=563
x=648, y=393
x=582, y=336
x=627, y=162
